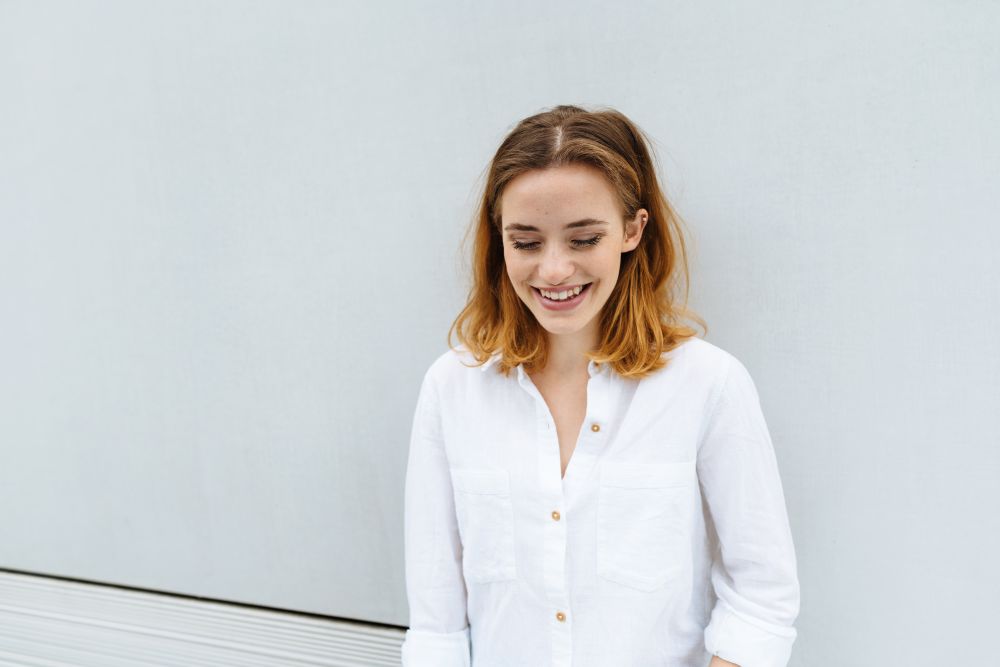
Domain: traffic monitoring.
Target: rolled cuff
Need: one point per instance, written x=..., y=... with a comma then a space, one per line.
x=422, y=648
x=747, y=642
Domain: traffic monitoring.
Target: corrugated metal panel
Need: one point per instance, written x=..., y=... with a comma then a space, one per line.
x=47, y=622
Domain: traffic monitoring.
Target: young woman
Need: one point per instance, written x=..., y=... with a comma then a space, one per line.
x=589, y=483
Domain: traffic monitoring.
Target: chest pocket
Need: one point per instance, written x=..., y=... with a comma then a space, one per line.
x=643, y=515
x=485, y=517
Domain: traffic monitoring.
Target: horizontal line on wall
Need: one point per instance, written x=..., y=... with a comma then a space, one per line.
x=55, y=621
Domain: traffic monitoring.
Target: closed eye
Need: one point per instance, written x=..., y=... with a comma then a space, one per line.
x=579, y=243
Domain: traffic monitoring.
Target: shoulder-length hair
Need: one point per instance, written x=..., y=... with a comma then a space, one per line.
x=642, y=318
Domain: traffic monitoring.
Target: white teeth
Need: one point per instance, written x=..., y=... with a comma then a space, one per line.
x=562, y=296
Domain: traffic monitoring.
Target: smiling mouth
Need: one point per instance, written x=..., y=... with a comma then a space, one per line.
x=571, y=295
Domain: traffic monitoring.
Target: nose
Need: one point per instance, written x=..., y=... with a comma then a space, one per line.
x=556, y=266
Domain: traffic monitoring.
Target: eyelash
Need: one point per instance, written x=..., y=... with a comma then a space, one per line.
x=583, y=243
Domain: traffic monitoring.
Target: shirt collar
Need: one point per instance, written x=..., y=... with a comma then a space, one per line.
x=492, y=360
x=593, y=368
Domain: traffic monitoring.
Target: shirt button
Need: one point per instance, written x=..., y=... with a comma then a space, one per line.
x=555, y=515
x=595, y=427
x=561, y=616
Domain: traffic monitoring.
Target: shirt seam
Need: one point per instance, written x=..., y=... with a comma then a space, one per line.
x=716, y=401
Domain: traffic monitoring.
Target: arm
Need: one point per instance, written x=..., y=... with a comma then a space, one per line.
x=754, y=574
x=438, y=635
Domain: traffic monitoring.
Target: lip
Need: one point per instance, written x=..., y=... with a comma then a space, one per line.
x=569, y=304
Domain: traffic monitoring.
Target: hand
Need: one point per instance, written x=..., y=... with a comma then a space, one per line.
x=719, y=662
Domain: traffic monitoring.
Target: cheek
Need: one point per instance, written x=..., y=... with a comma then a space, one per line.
x=513, y=268
x=613, y=257
x=609, y=266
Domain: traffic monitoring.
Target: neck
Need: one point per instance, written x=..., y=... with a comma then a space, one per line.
x=568, y=353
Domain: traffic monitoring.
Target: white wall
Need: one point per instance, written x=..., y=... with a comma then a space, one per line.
x=229, y=247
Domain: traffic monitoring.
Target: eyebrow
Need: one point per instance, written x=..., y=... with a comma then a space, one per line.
x=586, y=222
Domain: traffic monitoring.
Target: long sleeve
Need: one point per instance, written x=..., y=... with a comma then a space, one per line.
x=438, y=635
x=754, y=576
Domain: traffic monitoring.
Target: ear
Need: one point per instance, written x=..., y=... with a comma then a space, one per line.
x=633, y=230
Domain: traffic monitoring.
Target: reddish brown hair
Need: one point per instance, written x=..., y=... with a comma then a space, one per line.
x=642, y=318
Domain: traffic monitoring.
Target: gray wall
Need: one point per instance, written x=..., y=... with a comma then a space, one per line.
x=229, y=248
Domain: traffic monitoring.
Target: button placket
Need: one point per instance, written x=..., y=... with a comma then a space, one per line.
x=555, y=538
x=595, y=430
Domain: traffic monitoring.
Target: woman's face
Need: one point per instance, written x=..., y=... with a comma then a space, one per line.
x=562, y=230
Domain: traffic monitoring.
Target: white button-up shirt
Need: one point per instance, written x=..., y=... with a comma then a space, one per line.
x=666, y=542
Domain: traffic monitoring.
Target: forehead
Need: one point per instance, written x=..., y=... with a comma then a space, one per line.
x=548, y=196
